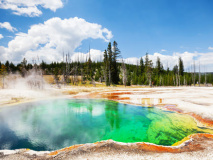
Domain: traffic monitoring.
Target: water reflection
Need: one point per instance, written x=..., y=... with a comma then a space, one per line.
x=112, y=114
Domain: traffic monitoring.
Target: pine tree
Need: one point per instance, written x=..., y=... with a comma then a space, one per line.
x=176, y=72
x=167, y=70
x=90, y=71
x=148, y=69
x=181, y=67
x=141, y=66
x=7, y=65
x=135, y=78
x=175, y=69
x=109, y=51
x=146, y=60
x=114, y=69
x=159, y=66
x=106, y=68
x=23, y=67
x=12, y=67
x=97, y=74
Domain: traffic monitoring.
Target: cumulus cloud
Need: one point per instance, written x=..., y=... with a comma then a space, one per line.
x=1, y=36
x=131, y=60
x=7, y=26
x=48, y=40
x=30, y=7
x=163, y=50
x=205, y=60
x=94, y=54
x=210, y=48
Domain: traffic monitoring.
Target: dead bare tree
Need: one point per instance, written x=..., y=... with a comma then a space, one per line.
x=64, y=79
x=76, y=80
x=199, y=74
x=194, y=74
x=185, y=81
x=124, y=73
x=173, y=80
x=3, y=72
x=82, y=71
x=205, y=76
x=191, y=70
x=178, y=76
x=66, y=70
x=75, y=75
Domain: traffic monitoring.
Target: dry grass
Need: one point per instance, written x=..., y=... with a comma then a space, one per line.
x=1, y=84
x=49, y=79
x=70, y=92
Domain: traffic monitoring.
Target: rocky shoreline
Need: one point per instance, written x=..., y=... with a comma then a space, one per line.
x=197, y=145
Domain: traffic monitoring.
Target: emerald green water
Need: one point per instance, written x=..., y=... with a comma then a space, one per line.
x=51, y=125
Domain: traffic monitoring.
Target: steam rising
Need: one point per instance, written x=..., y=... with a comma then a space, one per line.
x=27, y=87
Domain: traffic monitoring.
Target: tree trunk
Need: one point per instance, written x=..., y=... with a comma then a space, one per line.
x=109, y=75
x=3, y=82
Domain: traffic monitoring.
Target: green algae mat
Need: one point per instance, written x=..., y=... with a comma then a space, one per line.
x=55, y=124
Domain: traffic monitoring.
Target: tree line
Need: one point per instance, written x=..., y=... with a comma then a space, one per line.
x=111, y=71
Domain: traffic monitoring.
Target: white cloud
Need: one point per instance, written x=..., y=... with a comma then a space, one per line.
x=7, y=26
x=163, y=50
x=30, y=7
x=1, y=36
x=131, y=60
x=95, y=55
x=50, y=39
x=210, y=48
x=205, y=60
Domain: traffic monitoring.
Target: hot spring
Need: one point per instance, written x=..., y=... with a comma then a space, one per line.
x=51, y=125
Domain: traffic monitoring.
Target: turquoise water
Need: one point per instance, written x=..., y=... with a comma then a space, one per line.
x=51, y=125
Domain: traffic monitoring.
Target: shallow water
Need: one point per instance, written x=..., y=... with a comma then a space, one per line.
x=51, y=125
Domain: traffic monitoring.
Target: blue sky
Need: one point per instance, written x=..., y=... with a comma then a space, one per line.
x=164, y=28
